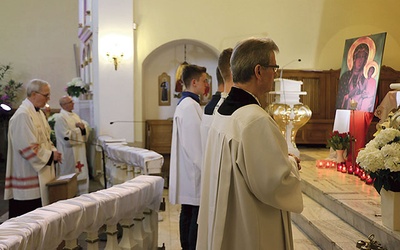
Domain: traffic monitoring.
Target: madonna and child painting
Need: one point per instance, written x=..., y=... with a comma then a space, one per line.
x=359, y=74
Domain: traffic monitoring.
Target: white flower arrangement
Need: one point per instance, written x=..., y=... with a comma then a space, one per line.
x=76, y=87
x=381, y=158
x=77, y=81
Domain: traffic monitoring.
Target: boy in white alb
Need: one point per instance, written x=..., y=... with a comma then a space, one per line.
x=186, y=154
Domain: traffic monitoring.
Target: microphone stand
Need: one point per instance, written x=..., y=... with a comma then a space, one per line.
x=291, y=114
x=111, y=123
x=353, y=106
x=104, y=166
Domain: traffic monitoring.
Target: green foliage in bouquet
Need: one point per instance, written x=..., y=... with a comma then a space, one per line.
x=9, y=90
x=52, y=122
x=76, y=87
x=339, y=141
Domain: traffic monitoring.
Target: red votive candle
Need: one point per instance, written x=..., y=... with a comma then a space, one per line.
x=350, y=170
x=344, y=169
x=356, y=170
x=363, y=176
x=369, y=180
x=360, y=173
x=339, y=167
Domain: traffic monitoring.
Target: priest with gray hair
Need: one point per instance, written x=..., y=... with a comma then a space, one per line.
x=31, y=154
x=250, y=184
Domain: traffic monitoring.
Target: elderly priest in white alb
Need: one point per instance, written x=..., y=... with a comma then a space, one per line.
x=71, y=134
x=31, y=154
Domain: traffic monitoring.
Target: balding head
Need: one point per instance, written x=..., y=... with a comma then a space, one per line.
x=66, y=103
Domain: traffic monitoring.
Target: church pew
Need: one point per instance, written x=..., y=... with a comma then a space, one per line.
x=133, y=204
x=123, y=162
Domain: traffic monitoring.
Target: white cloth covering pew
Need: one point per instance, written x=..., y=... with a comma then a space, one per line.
x=134, y=204
x=124, y=162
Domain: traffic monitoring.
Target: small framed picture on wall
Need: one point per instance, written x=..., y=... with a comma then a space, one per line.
x=164, y=90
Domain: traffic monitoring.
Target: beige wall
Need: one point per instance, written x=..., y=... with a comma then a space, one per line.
x=312, y=30
x=37, y=36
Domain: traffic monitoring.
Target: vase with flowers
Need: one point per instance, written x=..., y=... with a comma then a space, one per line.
x=381, y=159
x=339, y=142
x=76, y=87
x=8, y=91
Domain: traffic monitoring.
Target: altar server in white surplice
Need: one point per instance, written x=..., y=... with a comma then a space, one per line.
x=71, y=135
x=225, y=83
x=249, y=184
x=186, y=154
x=31, y=154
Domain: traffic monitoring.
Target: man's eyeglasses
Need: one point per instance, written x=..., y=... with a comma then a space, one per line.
x=274, y=67
x=44, y=95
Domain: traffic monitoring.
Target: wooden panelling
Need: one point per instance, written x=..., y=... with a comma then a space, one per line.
x=158, y=139
x=159, y=135
x=314, y=132
x=321, y=88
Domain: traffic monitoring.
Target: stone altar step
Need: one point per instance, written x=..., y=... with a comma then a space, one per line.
x=324, y=228
x=349, y=210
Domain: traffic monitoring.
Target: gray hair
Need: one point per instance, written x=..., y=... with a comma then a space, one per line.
x=35, y=85
x=247, y=54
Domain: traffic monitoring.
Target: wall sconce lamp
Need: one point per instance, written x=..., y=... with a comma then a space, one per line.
x=116, y=59
x=116, y=48
x=5, y=107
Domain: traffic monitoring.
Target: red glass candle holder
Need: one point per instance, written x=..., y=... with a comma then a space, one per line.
x=360, y=173
x=363, y=176
x=324, y=164
x=339, y=166
x=369, y=180
x=350, y=170
x=344, y=168
x=356, y=170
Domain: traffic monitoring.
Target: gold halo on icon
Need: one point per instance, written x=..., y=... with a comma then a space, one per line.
x=371, y=46
x=368, y=66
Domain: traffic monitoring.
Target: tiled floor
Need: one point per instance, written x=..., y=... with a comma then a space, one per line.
x=169, y=225
x=168, y=230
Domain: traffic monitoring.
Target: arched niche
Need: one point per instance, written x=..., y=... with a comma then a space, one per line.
x=166, y=59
